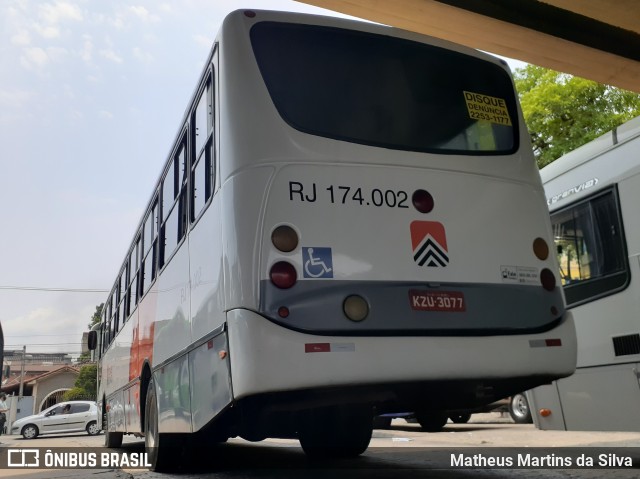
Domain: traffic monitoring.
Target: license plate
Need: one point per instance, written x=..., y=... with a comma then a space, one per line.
x=447, y=301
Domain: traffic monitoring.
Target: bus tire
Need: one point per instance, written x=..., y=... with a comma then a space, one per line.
x=335, y=432
x=432, y=421
x=382, y=422
x=519, y=409
x=461, y=418
x=159, y=446
x=111, y=438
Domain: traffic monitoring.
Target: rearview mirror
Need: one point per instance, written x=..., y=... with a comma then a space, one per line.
x=92, y=340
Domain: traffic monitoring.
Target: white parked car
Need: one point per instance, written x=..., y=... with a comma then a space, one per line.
x=71, y=416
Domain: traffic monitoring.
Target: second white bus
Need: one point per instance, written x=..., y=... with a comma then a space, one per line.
x=594, y=197
x=350, y=223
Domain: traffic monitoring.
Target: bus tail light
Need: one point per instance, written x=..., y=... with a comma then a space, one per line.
x=548, y=279
x=540, y=249
x=284, y=238
x=283, y=275
x=355, y=308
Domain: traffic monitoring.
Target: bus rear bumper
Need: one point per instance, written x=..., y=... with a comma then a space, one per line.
x=267, y=358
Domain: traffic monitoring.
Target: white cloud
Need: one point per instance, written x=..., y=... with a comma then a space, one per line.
x=34, y=58
x=15, y=107
x=47, y=31
x=107, y=115
x=111, y=55
x=60, y=11
x=203, y=40
x=21, y=39
x=143, y=14
x=57, y=54
x=87, y=49
x=142, y=55
x=15, y=98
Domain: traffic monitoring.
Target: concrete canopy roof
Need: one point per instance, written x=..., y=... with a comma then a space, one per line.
x=595, y=39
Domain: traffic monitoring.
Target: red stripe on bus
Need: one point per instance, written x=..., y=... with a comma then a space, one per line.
x=317, y=348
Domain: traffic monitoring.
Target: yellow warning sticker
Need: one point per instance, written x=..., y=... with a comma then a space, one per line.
x=485, y=107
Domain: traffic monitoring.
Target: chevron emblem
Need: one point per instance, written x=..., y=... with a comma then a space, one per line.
x=429, y=243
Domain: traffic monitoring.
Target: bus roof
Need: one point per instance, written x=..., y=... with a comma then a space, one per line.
x=599, y=162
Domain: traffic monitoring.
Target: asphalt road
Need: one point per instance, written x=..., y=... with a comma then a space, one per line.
x=402, y=451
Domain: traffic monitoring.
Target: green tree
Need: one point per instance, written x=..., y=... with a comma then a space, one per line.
x=97, y=315
x=564, y=112
x=86, y=385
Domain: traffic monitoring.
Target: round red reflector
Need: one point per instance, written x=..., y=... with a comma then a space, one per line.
x=283, y=312
x=283, y=275
x=249, y=13
x=548, y=279
x=422, y=201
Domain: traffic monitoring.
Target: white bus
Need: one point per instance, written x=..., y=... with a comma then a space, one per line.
x=350, y=221
x=594, y=197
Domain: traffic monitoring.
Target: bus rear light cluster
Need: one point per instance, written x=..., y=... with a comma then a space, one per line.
x=540, y=249
x=548, y=279
x=355, y=308
x=284, y=238
x=283, y=275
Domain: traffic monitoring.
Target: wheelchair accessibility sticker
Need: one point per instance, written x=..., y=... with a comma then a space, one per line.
x=318, y=262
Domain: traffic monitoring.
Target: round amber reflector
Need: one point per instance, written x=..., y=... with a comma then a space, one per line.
x=283, y=275
x=422, y=201
x=548, y=279
x=540, y=249
x=284, y=238
x=355, y=308
x=545, y=412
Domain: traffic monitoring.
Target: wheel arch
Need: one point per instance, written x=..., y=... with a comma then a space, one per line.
x=145, y=378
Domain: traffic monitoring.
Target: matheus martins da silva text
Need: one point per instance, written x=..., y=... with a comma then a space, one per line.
x=541, y=461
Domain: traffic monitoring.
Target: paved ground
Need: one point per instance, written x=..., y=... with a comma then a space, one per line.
x=271, y=457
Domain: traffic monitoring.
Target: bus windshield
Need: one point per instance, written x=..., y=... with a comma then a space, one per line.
x=387, y=92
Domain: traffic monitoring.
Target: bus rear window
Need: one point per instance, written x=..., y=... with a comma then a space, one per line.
x=385, y=91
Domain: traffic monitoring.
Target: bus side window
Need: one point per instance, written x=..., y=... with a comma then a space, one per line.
x=105, y=330
x=115, y=321
x=133, y=276
x=590, y=247
x=202, y=172
x=150, y=234
x=174, y=181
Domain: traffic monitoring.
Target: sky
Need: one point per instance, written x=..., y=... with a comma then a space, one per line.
x=91, y=96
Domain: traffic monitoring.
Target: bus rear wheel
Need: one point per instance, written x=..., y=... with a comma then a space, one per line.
x=461, y=418
x=111, y=438
x=161, y=449
x=335, y=432
x=432, y=421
